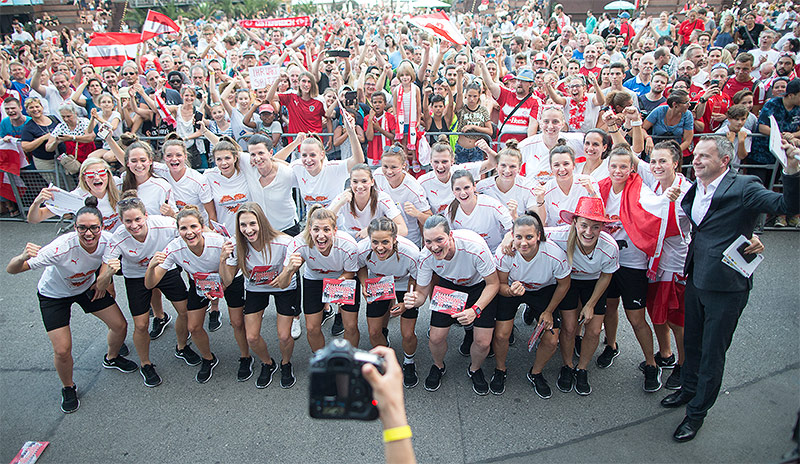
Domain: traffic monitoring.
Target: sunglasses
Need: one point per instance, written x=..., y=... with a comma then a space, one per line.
x=129, y=201
x=129, y=74
x=175, y=81
x=95, y=174
x=83, y=229
x=490, y=55
x=329, y=61
x=192, y=57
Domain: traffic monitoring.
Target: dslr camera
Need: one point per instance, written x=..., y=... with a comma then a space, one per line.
x=338, y=390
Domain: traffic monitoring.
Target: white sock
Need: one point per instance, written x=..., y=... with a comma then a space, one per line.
x=408, y=358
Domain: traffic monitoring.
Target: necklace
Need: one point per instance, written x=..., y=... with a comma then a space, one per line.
x=583, y=250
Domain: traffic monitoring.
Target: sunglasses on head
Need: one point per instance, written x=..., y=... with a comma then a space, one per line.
x=392, y=149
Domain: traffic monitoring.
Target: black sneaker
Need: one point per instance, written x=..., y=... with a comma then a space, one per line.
x=69, y=399
x=466, y=344
x=150, y=376
x=207, y=369
x=123, y=350
x=606, y=358
x=434, y=380
x=214, y=321
x=159, y=325
x=267, y=371
x=578, y=340
x=652, y=379
x=326, y=316
x=385, y=331
x=410, y=379
x=188, y=355
x=338, y=327
x=566, y=379
x=582, y=386
x=245, y=369
x=674, y=380
x=665, y=363
x=512, y=338
x=527, y=315
x=287, y=376
x=479, y=384
x=498, y=383
x=540, y=385
x=120, y=363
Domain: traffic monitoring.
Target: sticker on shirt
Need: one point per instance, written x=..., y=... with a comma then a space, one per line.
x=208, y=285
x=339, y=291
x=80, y=278
x=263, y=275
x=380, y=288
x=233, y=203
x=447, y=301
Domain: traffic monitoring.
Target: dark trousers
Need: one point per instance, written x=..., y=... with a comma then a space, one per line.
x=711, y=319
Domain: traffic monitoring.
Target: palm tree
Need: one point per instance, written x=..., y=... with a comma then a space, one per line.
x=203, y=9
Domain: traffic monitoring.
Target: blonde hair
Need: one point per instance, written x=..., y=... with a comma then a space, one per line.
x=405, y=68
x=317, y=213
x=111, y=186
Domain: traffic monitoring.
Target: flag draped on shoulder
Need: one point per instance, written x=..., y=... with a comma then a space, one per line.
x=112, y=48
x=157, y=24
x=647, y=218
x=439, y=24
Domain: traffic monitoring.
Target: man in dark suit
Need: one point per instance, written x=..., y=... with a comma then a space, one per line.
x=722, y=205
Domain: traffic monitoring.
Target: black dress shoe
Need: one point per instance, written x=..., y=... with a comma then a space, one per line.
x=687, y=430
x=675, y=400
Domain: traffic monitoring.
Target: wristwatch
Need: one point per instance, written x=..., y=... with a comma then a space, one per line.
x=477, y=310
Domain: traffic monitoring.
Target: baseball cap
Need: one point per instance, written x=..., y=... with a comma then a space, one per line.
x=249, y=52
x=541, y=56
x=525, y=75
x=266, y=108
x=793, y=87
x=625, y=15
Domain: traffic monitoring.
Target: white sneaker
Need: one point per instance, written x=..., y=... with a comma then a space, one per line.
x=297, y=330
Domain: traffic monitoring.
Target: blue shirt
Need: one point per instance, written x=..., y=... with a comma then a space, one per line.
x=6, y=128
x=657, y=116
x=591, y=23
x=635, y=85
x=788, y=121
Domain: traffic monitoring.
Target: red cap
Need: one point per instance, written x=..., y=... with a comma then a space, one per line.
x=266, y=107
x=541, y=56
x=588, y=207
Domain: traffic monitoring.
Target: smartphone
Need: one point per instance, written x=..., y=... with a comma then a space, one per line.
x=713, y=83
x=749, y=257
x=339, y=53
x=103, y=132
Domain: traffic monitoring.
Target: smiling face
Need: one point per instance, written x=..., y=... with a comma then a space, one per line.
x=248, y=226
x=226, y=162
x=619, y=169
x=507, y=167
x=442, y=161
x=552, y=122
x=361, y=183
x=707, y=163
x=89, y=228
x=191, y=231
x=135, y=222
x=139, y=163
x=562, y=166
x=593, y=146
x=662, y=165
x=526, y=239
x=175, y=158
x=382, y=243
x=312, y=156
x=588, y=231
x=96, y=178
x=107, y=103
x=464, y=189
x=34, y=108
x=438, y=242
x=322, y=233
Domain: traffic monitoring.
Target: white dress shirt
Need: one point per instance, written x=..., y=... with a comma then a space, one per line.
x=703, y=196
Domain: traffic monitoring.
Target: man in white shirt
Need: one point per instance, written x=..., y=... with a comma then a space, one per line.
x=20, y=34
x=764, y=53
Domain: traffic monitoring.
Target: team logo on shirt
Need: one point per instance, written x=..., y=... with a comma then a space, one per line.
x=180, y=204
x=321, y=199
x=187, y=262
x=614, y=226
x=311, y=108
x=144, y=262
x=233, y=203
x=74, y=261
x=76, y=280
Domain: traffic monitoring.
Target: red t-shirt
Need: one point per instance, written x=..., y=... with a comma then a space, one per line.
x=733, y=86
x=585, y=71
x=694, y=92
x=716, y=104
x=517, y=126
x=627, y=31
x=304, y=115
x=376, y=145
x=686, y=28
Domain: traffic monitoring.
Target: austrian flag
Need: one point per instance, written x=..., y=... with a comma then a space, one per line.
x=112, y=48
x=439, y=24
x=157, y=24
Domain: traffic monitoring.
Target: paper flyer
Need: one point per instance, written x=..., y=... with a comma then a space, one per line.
x=446, y=301
x=262, y=275
x=30, y=452
x=734, y=259
x=380, y=288
x=64, y=201
x=339, y=291
x=775, y=145
x=209, y=285
x=219, y=228
x=261, y=77
x=535, y=337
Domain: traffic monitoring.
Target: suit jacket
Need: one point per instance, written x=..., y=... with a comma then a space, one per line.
x=734, y=208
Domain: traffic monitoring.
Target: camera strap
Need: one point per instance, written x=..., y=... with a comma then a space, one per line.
x=500, y=131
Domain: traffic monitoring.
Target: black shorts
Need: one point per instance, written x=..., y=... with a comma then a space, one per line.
x=473, y=294
x=285, y=302
x=312, y=297
x=537, y=300
x=172, y=286
x=234, y=295
x=380, y=308
x=579, y=292
x=631, y=285
x=293, y=231
x=56, y=311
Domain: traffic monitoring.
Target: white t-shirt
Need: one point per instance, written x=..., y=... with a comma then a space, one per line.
x=228, y=195
x=440, y=194
x=154, y=192
x=629, y=256
x=178, y=252
x=536, y=155
x=275, y=198
x=471, y=262
x=69, y=269
x=411, y=191
x=354, y=224
x=603, y=259
x=191, y=189
x=490, y=219
x=136, y=255
x=748, y=143
x=676, y=247
x=555, y=200
x=403, y=264
x=520, y=192
x=589, y=116
x=238, y=127
x=343, y=257
x=273, y=264
x=599, y=173
x=322, y=188
x=549, y=264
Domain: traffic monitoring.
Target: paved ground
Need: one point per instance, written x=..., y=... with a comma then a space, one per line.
x=120, y=420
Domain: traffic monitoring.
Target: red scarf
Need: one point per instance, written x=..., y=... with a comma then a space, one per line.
x=577, y=113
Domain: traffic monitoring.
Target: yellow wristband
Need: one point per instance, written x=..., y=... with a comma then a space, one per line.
x=396, y=433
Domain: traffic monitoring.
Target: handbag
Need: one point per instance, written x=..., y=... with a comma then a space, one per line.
x=69, y=162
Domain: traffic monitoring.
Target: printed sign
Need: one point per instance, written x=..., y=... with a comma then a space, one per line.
x=339, y=291
x=380, y=288
x=261, y=77
x=209, y=285
x=263, y=275
x=448, y=301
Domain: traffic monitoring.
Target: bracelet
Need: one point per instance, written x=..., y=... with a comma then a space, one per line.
x=397, y=433
x=613, y=131
x=636, y=123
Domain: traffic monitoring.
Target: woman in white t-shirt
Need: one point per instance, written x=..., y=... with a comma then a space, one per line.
x=189, y=187
x=70, y=262
x=155, y=192
x=479, y=213
x=328, y=254
x=536, y=148
x=594, y=257
x=537, y=274
x=362, y=202
x=596, y=146
x=463, y=263
x=565, y=188
x=509, y=188
x=436, y=182
x=259, y=255
x=404, y=190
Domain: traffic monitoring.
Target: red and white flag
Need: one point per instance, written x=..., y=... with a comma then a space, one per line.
x=163, y=111
x=439, y=24
x=647, y=218
x=297, y=21
x=12, y=159
x=157, y=24
x=113, y=48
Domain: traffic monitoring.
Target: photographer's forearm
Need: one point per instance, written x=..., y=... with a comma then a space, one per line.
x=398, y=451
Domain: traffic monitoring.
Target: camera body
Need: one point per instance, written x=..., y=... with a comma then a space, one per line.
x=339, y=53
x=338, y=390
